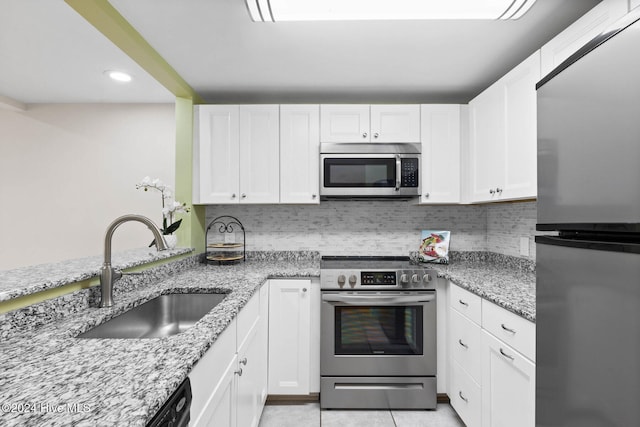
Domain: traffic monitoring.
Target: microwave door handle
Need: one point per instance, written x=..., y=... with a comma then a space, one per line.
x=368, y=300
x=398, y=172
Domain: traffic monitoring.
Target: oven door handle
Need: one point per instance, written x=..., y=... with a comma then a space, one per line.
x=377, y=300
x=398, y=172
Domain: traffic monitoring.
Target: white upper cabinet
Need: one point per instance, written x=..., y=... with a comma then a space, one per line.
x=395, y=123
x=299, y=154
x=521, y=134
x=633, y=4
x=440, y=168
x=259, y=154
x=217, y=154
x=344, y=123
x=364, y=123
x=503, y=136
x=582, y=31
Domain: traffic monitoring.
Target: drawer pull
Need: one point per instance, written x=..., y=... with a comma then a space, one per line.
x=238, y=372
x=508, y=329
x=505, y=354
x=462, y=344
x=462, y=397
x=466, y=304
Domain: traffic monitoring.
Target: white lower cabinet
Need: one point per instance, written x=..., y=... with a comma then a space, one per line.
x=229, y=383
x=508, y=385
x=290, y=321
x=491, y=383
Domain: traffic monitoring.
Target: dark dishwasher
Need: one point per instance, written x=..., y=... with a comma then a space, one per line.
x=176, y=410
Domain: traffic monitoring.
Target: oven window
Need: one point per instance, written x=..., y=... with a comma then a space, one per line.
x=360, y=172
x=378, y=330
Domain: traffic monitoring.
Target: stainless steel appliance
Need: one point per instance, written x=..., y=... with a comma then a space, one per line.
x=176, y=411
x=369, y=170
x=588, y=276
x=378, y=333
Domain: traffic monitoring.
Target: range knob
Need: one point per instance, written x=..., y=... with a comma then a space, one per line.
x=341, y=280
x=352, y=280
x=426, y=278
x=404, y=279
x=414, y=278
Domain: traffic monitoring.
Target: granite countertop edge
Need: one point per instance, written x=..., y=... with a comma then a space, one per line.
x=33, y=279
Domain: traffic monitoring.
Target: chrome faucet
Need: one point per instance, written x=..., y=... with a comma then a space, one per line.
x=108, y=274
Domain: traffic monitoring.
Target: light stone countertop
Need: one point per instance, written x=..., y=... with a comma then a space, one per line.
x=31, y=279
x=125, y=382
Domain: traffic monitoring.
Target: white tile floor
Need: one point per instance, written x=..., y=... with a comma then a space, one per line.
x=310, y=415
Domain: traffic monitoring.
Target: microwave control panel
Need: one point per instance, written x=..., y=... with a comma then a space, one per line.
x=409, y=172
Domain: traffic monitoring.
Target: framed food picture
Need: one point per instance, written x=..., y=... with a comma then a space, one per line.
x=434, y=247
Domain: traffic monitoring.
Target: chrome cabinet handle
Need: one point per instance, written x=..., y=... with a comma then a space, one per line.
x=243, y=361
x=239, y=372
x=375, y=135
x=233, y=196
x=462, y=397
x=466, y=304
x=492, y=191
x=462, y=344
x=426, y=196
x=364, y=134
x=244, y=196
x=498, y=190
x=304, y=289
x=313, y=196
x=505, y=354
x=513, y=331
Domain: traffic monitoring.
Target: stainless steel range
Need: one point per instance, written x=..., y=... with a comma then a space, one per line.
x=378, y=325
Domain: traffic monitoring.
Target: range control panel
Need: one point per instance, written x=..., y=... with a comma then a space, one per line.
x=378, y=277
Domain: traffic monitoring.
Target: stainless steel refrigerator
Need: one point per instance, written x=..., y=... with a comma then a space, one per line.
x=588, y=269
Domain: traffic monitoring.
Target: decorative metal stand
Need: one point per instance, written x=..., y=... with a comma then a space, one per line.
x=222, y=252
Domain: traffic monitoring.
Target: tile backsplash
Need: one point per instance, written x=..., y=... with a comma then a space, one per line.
x=380, y=227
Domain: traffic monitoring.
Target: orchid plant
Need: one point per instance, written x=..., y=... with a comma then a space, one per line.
x=170, y=207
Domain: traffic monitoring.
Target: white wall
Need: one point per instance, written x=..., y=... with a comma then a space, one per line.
x=68, y=170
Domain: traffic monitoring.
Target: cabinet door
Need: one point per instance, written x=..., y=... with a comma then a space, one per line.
x=580, y=32
x=299, y=154
x=465, y=395
x=253, y=377
x=344, y=123
x=221, y=407
x=440, y=153
x=259, y=154
x=508, y=386
x=289, y=340
x=395, y=123
x=519, y=180
x=216, y=154
x=486, y=143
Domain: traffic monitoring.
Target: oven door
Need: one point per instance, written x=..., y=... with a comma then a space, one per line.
x=369, y=175
x=371, y=333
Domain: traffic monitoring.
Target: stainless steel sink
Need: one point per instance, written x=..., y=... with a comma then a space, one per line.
x=160, y=317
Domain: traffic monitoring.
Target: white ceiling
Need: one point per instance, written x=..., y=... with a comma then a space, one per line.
x=50, y=54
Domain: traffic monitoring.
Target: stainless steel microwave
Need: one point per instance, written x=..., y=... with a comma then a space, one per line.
x=369, y=170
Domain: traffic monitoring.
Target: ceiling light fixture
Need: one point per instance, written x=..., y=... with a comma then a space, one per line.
x=119, y=76
x=359, y=10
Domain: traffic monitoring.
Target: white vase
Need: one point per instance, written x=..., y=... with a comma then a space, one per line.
x=171, y=240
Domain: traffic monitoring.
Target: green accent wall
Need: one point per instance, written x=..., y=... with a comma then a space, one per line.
x=191, y=232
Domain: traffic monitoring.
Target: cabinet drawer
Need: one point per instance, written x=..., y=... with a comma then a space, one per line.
x=248, y=317
x=465, y=396
x=465, y=344
x=510, y=328
x=466, y=303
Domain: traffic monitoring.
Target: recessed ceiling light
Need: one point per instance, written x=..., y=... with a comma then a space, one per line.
x=357, y=10
x=118, y=76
